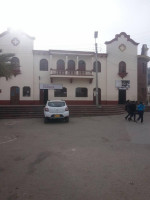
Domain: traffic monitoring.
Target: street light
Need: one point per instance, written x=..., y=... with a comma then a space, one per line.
x=96, y=66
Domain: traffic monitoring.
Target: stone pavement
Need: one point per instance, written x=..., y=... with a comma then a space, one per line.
x=89, y=158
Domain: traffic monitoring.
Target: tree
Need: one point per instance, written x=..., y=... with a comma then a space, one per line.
x=8, y=66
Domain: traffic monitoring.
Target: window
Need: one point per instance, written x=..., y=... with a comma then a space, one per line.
x=98, y=66
x=60, y=67
x=43, y=65
x=81, y=92
x=60, y=92
x=26, y=91
x=15, y=63
x=81, y=65
x=71, y=67
x=122, y=67
x=56, y=104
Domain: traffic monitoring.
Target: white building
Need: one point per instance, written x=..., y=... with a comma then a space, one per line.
x=70, y=75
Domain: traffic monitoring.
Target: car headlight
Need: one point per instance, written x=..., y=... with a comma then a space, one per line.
x=66, y=109
x=46, y=109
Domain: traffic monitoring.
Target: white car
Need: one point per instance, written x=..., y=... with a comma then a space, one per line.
x=56, y=109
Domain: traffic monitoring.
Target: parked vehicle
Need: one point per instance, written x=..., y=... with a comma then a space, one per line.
x=56, y=109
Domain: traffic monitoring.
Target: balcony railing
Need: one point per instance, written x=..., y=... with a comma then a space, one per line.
x=71, y=73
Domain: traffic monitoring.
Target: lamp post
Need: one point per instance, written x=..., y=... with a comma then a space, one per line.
x=96, y=66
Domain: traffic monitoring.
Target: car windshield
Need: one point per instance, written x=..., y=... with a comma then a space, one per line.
x=56, y=104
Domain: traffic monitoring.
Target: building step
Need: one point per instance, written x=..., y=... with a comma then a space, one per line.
x=23, y=111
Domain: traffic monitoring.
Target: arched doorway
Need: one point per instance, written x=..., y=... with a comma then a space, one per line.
x=14, y=95
x=94, y=96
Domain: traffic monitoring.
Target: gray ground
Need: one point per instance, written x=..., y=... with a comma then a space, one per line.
x=90, y=158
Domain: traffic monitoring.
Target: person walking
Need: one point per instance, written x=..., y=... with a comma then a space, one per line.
x=132, y=111
x=140, y=109
x=127, y=108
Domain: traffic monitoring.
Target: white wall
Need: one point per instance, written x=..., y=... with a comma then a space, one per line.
x=24, y=52
x=32, y=76
x=115, y=56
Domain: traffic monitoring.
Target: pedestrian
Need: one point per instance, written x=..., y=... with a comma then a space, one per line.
x=132, y=111
x=140, y=109
x=127, y=108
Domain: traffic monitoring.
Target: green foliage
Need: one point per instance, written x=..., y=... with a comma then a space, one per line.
x=7, y=69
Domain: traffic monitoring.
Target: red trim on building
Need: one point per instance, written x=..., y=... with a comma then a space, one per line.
x=69, y=102
x=4, y=102
x=7, y=102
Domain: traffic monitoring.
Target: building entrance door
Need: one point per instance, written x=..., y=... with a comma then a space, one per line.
x=122, y=97
x=14, y=95
x=43, y=96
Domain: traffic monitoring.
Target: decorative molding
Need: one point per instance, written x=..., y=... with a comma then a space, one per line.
x=15, y=41
x=122, y=74
x=119, y=35
x=122, y=47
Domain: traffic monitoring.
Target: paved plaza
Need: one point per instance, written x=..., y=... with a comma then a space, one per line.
x=89, y=158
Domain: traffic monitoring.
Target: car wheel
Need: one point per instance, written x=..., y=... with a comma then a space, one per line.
x=67, y=119
x=45, y=120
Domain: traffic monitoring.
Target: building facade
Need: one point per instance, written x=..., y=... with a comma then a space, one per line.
x=71, y=75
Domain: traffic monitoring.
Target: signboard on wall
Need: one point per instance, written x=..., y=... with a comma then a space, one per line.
x=122, y=84
x=50, y=86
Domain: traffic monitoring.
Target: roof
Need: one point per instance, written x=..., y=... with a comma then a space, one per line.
x=119, y=35
x=68, y=52
x=22, y=33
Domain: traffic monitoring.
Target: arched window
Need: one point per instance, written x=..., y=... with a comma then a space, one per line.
x=26, y=91
x=71, y=67
x=98, y=66
x=81, y=65
x=81, y=92
x=122, y=67
x=60, y=66
x=15, y=63
x=60, y=92
x=43, y=65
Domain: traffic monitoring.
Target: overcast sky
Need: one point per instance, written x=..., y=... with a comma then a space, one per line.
x=70, y=24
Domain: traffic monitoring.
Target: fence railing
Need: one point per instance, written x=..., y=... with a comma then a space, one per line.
x=71, y=72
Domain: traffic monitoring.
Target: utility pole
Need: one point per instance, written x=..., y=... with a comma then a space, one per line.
x=96, y=66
